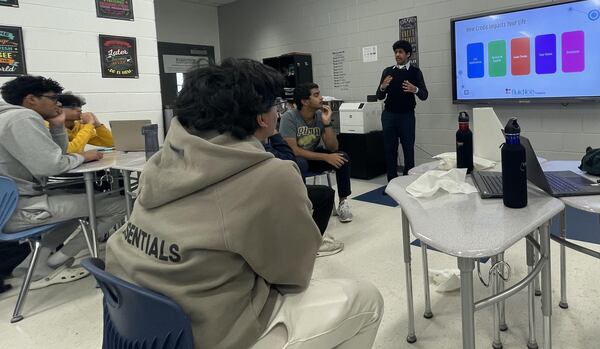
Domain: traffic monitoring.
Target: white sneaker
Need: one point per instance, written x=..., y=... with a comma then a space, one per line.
x=344, y=214
x=329, y=246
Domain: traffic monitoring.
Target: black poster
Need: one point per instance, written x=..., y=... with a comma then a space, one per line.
x=115, y=9
x=118, y=56
x=12, y=3
x=408, y=32
x=12, y=56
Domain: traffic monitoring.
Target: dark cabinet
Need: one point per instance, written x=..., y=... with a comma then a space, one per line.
x=366, y=153
x=295, y=67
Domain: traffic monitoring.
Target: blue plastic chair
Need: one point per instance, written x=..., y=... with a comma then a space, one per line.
x=135, y=317
x=9, y=196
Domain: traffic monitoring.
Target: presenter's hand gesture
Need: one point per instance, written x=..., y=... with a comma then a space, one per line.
x=408, y=87
x=326, y=114
x=386, y=82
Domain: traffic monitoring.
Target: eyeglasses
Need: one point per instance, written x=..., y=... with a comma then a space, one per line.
x=53, y=98
x=281, y=104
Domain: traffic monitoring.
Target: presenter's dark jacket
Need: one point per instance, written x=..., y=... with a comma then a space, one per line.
x=397, y=100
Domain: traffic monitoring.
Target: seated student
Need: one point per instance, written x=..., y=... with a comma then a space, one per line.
x=225, y=229
x=82, y=128
x=321, y=197
x=30, y=152
x=304, y=128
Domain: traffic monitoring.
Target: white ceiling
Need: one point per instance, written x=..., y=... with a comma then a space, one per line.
x=211, y=2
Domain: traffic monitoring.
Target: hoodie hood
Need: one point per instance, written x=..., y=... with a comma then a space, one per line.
x=196, y=162
x=4, y=107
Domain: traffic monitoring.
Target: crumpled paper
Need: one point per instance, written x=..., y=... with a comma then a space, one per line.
x=448, y=161
x=452, y=181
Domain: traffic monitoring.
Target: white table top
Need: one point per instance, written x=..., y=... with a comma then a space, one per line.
x=464, y=225
x=132, y=161
x=590, y=203
x=434, y=165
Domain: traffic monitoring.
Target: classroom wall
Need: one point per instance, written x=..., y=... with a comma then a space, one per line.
x=61, y=42
x=265, y=28
x=187, y=23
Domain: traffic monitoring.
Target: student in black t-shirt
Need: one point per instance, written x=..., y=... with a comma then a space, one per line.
x=400, y=83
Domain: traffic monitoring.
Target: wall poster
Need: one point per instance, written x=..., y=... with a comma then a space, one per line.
x=12, y=53
x=11, y=3
x=114, y=9
x=408, y=32
x=118, y=55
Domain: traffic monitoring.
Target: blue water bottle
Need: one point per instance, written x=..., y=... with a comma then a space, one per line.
x=514, y=167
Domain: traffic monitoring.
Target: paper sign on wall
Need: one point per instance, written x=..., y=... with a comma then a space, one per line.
x=114, y=9
x=118, y=56
x=12, y=54
x=182, y=64
x=409, y=32
x=369, y=54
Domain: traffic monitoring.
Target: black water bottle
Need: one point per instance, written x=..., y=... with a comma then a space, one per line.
x=464, y=143
x=514, y=167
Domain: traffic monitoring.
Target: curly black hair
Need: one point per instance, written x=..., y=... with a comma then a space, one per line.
x=15, y=90
x=302, y=91
x=228, y=97
x=69, y=100
x=404, y=45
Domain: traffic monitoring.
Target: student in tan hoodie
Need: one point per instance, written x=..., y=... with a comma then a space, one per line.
x=225, y=229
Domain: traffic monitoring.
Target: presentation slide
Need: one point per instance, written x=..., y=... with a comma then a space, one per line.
x=547, y=52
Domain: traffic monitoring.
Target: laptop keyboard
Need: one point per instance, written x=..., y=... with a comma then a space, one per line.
x=493, y=184
x=560, y=185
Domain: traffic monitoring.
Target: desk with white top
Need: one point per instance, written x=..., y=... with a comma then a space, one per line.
x=88, y=169
x=588, y=203
x=468, y=228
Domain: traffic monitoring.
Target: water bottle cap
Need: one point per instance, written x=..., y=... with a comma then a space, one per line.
x=463, y=116
x=512, y=127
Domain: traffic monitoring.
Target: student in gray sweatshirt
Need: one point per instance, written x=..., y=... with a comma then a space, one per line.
x=30, y=152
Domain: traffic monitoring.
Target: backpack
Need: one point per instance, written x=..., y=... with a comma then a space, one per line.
x=590, y=162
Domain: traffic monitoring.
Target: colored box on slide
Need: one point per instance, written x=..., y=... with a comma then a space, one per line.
x=475, y=68
x=573, y=52
x=520, y=56
x=545, y=54
x=497, y=58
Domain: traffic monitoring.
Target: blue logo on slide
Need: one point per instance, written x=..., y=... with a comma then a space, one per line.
x=594, y=15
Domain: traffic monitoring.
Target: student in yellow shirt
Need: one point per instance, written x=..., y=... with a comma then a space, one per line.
x=82, y=128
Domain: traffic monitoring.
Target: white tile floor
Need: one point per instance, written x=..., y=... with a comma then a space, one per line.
x=69, y=315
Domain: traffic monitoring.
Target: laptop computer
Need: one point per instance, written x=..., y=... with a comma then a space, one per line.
x=487, y=134
x=127, y=134
x=555, y=183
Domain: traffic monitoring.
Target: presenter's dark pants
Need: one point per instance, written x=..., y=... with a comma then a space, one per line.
x=322, y=199
x=342, y=175
x=398, y=126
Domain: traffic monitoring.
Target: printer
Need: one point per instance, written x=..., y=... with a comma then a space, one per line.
x=361, y=117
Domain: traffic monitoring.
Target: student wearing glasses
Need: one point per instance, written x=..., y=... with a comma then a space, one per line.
x=82, y=128
x=30, y=152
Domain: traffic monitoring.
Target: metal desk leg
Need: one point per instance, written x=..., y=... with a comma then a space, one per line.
x=546, y=285
x=428, y=314
x=536, y=236
x=127, y=185
x=532, y=342
x=466, y=266
x=411, y=338
x=88, y=177
x=503, y=326
x=563, y=263
x=495, y=282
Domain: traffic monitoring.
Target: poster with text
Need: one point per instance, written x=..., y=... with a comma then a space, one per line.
x=12, y=55
x=408, y=32
x=114, y=9
x=118, y=56
x=11, y=3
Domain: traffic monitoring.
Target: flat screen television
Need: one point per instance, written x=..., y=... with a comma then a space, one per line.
x=544, y=53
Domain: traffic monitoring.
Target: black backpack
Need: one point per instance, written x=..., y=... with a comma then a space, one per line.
x=590, y=162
